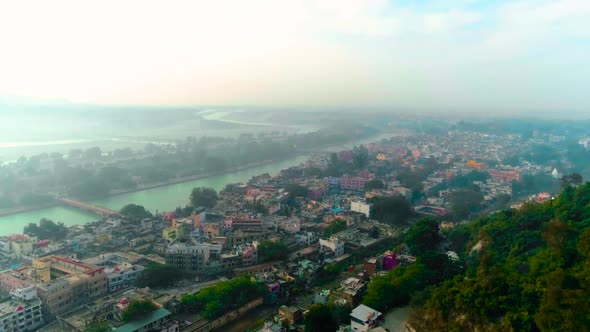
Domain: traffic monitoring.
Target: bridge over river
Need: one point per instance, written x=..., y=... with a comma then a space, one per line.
x=88, y=207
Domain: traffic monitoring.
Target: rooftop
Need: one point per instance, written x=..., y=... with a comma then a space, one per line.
x=138, y=324
x=364, y=313
x=9, y=306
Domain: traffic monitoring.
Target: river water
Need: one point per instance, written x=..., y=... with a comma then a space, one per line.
x=164, y=198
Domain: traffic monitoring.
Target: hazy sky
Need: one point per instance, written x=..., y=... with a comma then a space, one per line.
x=505, y=55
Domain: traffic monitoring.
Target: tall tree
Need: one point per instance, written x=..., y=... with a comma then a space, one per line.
x=202, y=196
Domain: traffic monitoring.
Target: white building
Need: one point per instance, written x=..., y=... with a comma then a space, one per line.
x=334, y=245
x=361, y=207
x=364, y=318
x=22, y=312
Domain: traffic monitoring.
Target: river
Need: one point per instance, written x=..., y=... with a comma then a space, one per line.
x=164, y=198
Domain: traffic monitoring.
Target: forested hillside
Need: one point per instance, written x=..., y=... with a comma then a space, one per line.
x=526, y=270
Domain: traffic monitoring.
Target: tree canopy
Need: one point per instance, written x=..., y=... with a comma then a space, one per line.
x=394, y=210
x=135, y=211
x=296, y=190
x=335, y=227
x=374, y=184
x=214, y=301
x=526, y=270
x=326, y=317
x=202, y=196
x=158, y=275
x=271, y=251
x=137, y=309
x=47, y=230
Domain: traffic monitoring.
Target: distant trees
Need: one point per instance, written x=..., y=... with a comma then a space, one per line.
x=464, y=202
x=296, y=190
x=271, y=251
x=374, y=184
x=574, y=179
x=138, y=309
x=135, y=211
x=47, y=230
x=335, y=227
x=202, y=196
x=158, y=275
x=394, y=210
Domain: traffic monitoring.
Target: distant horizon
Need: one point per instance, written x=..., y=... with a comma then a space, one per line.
x=468, y=113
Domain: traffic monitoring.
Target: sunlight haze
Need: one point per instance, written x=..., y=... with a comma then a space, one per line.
x=499, y=55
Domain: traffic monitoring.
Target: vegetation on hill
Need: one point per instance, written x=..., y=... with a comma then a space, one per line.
x=394, y=210
x=526, y=270
x=399, y=285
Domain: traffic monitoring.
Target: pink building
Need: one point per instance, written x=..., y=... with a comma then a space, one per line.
x=352, y=183
x=390, y=261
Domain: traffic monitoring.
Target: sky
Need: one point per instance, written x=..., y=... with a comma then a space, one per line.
x=424, y=54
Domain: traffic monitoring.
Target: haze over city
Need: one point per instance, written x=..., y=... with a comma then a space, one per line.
x=294, y=165
x=466, y=56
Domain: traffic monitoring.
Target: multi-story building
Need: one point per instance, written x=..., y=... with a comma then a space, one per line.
x=121, y=274
x=361, y=207
x=364, y=318
x=352, y=183
x=62, y=283
x=22, y=312
x=333, y=246
x=191, y=257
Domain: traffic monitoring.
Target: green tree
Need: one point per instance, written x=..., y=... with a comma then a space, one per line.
x=47, y=230
x=319, y=319
x=158, y=275
x=296, y=190
x=135, y=211
x=335, y=226
x=423, y=236
x=138, y=309
x=391, y=210
x=99, y=327
x=206, y=197
x=272, y=251
x=374, y=184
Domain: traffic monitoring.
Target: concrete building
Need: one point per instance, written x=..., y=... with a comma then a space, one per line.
x=333, y=246
x=364, y=318
x=22, y=312
x=191, y=257
x=62, y=283
x=155, y=321
x=120, y=272
x=352, y=183
x=361, y=207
